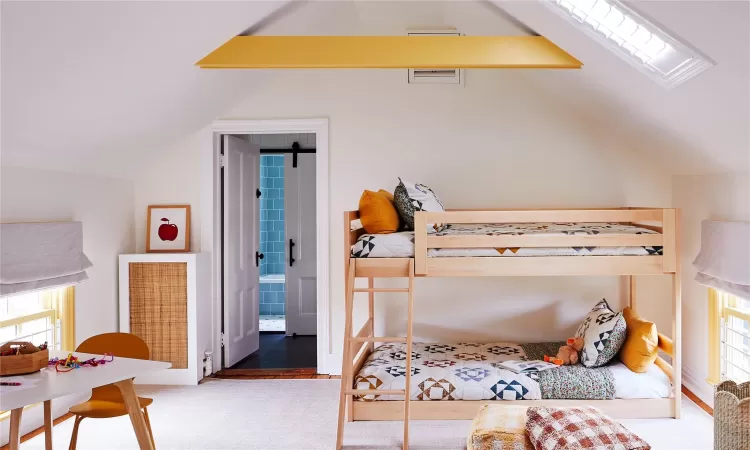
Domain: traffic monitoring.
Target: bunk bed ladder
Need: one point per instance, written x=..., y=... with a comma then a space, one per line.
x=351, y=342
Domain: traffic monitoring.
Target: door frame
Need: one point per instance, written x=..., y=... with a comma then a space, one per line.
x=210, y=187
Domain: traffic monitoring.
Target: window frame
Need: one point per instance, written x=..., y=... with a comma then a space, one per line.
x=697, y=63
x=42, y=310
x=722, y=306
x=20, y=319
x=59, y=304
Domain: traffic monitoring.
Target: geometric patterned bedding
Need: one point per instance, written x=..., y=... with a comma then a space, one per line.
x=401, y=245
x=469, y=371
x=464, y=371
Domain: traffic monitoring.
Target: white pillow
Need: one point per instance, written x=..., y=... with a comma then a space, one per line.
x=603, y=332
x=421, y=198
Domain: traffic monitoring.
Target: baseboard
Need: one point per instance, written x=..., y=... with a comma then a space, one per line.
x=700, y=388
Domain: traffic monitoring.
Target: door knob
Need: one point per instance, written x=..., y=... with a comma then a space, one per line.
x=258, y=257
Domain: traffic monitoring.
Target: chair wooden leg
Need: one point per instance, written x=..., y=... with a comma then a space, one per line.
x=148, y=425
x=74, y=437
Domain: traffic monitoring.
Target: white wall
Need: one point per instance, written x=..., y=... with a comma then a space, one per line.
x=494, y=143
x=703, y=197
x=105, y=206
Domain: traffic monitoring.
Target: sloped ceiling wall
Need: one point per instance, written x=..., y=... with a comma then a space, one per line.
x=98, y=86
x=699, y=126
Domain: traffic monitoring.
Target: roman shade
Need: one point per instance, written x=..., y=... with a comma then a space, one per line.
x=724, y=260
x=36, y=256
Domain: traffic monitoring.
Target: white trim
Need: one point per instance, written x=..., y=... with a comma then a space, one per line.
x=210, y=208
x=335, y=363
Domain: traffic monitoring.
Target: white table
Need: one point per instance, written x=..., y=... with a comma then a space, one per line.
x=49, y=384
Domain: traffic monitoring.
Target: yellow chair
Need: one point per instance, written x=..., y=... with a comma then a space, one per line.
x=106, y=401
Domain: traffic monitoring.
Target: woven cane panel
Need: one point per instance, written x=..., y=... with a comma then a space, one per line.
x=158, y=310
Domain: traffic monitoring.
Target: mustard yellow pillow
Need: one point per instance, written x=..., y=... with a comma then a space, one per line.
x=377, y=213
x=387, y=195
x=641, y=343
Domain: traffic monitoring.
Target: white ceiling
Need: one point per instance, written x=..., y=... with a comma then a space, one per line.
x=96, y=86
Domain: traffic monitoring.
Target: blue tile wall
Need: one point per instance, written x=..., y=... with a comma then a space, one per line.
x=272, y=214
x=272, y=299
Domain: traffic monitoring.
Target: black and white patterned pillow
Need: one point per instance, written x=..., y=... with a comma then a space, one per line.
x=403, y=205
x=603, y=332
x=411, y=197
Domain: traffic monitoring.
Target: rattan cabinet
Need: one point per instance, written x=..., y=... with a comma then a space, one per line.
x=165, y=299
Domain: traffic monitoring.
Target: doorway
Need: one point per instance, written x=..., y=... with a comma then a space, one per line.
x=269, y=231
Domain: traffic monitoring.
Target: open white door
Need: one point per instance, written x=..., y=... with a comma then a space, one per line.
x=241, y=242
x=301, y=252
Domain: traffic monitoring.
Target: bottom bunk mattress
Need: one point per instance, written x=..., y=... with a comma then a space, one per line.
x=468, y=371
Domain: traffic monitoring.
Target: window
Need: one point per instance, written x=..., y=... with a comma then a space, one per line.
x=730, y=337
x=635, y=39
x=39, y=317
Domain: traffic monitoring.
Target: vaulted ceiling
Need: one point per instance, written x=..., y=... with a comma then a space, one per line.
x=97, y=86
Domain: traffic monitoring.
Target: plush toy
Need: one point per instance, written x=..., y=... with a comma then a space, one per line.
x=568, y=354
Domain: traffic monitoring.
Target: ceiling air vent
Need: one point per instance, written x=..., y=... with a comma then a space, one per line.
x=435, y=76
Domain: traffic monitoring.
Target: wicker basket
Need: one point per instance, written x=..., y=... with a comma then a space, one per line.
x=30, y=360
x=732, y=416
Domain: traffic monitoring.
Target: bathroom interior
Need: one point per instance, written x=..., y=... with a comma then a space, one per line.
x=272, y=245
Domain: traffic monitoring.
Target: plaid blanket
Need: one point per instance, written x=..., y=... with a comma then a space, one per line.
x=578, y=428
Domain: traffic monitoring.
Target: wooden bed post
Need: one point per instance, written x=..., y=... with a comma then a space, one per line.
x=409, y=323
x=420, y=243
x=371, y=310
x=676, y=312
x=633, y=293
x=346, y=365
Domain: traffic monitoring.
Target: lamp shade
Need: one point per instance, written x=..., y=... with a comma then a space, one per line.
x=724, y=260
x=36, y=256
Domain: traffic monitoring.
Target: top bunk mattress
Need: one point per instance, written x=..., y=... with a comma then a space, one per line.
x=401, y=244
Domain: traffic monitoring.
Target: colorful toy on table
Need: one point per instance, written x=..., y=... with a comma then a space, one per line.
x=73, y=362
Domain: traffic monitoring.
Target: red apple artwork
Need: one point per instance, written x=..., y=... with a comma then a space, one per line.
x=168, y=228
x=167, y=231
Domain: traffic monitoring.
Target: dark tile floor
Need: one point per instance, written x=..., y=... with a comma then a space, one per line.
x=278, y=351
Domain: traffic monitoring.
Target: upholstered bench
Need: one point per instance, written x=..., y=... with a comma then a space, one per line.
x=499, y=427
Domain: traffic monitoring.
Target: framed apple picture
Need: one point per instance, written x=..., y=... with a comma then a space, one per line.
x=168, y=229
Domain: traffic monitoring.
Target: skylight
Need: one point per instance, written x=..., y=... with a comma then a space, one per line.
x=634, y=39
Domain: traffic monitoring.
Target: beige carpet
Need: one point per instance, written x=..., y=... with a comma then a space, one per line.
x=301, y=415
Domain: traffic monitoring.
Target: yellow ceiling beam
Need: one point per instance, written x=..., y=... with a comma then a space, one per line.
x=389, y=52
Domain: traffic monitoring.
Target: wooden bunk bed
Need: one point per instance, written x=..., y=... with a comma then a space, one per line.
x=358, y=346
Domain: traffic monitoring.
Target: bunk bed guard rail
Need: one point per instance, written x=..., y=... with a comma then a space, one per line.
x=662, y=221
